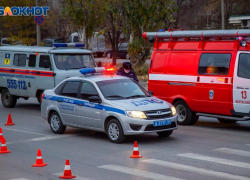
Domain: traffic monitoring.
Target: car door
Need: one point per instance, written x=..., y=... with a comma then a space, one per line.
x=67, y=100
x=89, y=113
x=213, y=87
x=44, y=76
x=241, y=83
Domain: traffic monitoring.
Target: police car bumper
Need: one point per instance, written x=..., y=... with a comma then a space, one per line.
x=132, y=126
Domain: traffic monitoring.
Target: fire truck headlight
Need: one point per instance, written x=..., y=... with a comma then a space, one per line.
x=173, y=110
x=136, y=114
x=243, y=43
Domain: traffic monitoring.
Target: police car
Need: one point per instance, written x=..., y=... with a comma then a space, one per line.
x=101, y=101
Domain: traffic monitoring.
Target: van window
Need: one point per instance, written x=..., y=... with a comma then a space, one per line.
x=244, y=66
x=214, y=64
x=42, y=59
x=20, y=60
x=75, y=39
x=32, y=60
x=73, y=61
x=70, y=89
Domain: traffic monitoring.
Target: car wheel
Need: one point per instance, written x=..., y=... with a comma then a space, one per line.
x=165, y=133
x=109, y=55
x=56, y=124
x=9, y=101
x=185, y=115
x=226, y=121
x=115, y=131
x=127, y=56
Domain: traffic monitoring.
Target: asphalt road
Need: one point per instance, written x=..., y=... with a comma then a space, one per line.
x=208, y=150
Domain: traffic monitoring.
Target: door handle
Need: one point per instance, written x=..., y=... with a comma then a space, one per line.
x=80, y=104
x=38, y=72
x=12, y=70
x=59, y=100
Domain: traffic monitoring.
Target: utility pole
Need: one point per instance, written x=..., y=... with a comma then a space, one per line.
x=38, y=30
x=222, y=14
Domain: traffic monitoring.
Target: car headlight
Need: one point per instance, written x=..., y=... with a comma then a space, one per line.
x=136, y=114
x=173, y=110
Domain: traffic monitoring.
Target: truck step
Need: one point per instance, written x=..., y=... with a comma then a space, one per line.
x=224, y=117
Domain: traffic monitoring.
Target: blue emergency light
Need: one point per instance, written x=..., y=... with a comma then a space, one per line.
x=107, y=70
x=160, y=30
x=58, y=45
x=85, y=71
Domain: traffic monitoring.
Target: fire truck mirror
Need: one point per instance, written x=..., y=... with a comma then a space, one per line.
x=151, y=39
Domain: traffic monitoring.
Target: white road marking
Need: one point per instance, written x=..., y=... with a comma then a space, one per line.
x=233, y=151
x=139, y=173
x=193, y=169
x=216, y=160
x=24, y=131
x=20, y=179
x=41, y=139
x=77, y=177
x=248, y=144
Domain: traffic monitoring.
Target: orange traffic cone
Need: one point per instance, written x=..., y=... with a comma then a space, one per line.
x=136, y=153
x=1, y=135
x=39, y=160
x=9, y=121
x=67, y=171
x=4, y=147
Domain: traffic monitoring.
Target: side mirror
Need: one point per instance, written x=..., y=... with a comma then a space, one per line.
x=95, y=99
x=151, y=92
x=46, y=64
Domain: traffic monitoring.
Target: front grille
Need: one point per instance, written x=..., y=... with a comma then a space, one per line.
x=152, y=128
x=154, y=114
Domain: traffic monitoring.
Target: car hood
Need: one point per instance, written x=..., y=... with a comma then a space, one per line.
x=142, y=104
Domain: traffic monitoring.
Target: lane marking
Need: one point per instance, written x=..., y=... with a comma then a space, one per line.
x=41, y=139
x=216, y=160
x=20, y=179
x=24, y=131
x=248, y=144
x=233, y=151
x=194, y=169
x=77, y=177
x=136, y=172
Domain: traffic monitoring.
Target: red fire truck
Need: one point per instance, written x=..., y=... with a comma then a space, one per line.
x=203, y=73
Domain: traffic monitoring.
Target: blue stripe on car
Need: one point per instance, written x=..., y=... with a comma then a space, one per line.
x=84, y=103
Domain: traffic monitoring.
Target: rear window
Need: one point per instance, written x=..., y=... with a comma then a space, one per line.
x=244, y=66
x=214, y=64
x=70, y=89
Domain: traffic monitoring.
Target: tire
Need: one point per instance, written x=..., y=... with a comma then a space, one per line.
x=185, y=115
x=127, y=56
x=195, y=119
x=9, y=101
x=109, y=56
x=115, y=125
x=165, y=133
x=39, y=97
x=226, y=121
x=56, y=124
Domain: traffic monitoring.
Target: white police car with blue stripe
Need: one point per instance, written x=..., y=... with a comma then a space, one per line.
x=101, y=101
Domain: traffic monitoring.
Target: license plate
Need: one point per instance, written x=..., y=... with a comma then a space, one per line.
x=161, y=123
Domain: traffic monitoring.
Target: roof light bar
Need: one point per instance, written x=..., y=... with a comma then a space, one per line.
x=57, y=45
x=85, y=71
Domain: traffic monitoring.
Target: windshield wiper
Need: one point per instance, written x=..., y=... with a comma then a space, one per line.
x=76, y=68
x=115, y=96
x=135, y=96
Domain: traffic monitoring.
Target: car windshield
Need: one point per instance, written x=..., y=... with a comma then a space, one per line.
x=73, y=61
x=121, y=89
